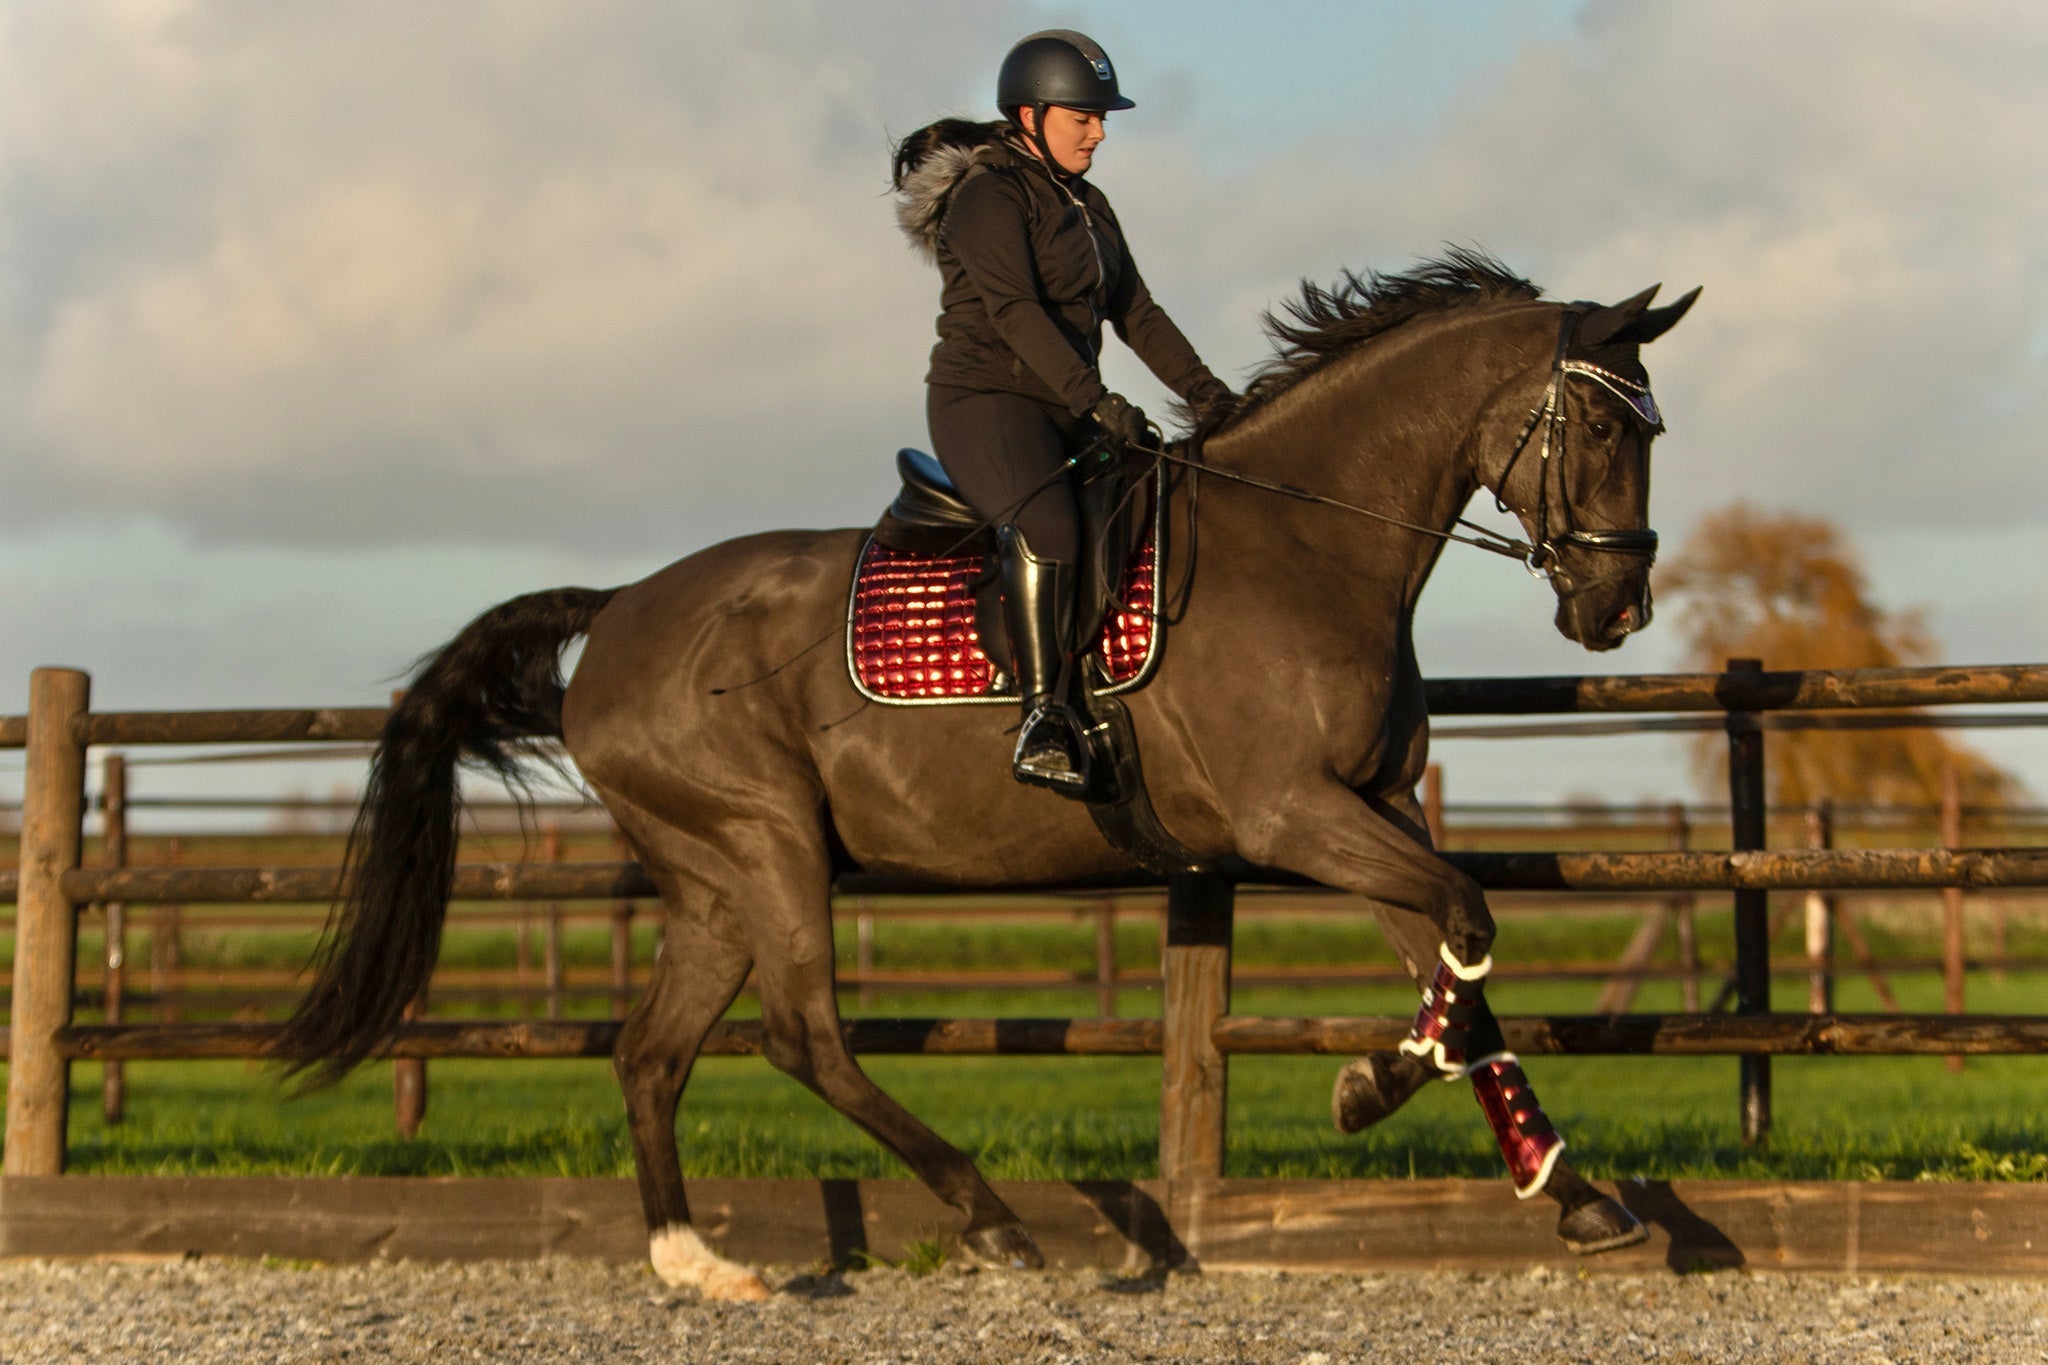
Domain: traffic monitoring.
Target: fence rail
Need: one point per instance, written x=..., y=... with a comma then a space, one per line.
x=1625, y=1035
x=1196, y=1033
x=1755, y=870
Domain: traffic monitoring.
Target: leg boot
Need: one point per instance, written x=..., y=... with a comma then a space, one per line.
x=1452, y=1017
x=1038, y=608
x=1528, y=1143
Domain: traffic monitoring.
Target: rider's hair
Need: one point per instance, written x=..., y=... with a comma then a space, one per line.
x=933, y=137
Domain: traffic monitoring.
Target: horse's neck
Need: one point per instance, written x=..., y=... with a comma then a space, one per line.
x=1389, y=429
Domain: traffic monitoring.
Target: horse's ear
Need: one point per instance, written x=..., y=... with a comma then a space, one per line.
x=1604, y=325
x=1655, y=322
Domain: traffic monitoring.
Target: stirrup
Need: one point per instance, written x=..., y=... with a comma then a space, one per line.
x=1051, y=751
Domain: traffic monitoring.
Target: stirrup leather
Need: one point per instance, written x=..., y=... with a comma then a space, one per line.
x=1449, y=1002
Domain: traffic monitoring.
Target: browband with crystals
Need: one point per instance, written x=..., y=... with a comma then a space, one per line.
x=1637, y=396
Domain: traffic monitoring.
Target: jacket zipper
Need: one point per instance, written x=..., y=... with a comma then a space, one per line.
x=1095, y=297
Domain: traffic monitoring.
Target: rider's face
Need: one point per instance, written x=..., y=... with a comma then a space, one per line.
x=1072, y=134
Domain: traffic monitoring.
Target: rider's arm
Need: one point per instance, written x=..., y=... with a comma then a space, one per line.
x=1147, y=330
x=985, y=228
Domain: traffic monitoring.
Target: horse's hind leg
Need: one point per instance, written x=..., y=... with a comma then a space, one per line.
x=699, y=970
x=695, y=978
x=790, y=920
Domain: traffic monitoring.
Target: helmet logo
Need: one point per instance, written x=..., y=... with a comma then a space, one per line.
x=1102, y=71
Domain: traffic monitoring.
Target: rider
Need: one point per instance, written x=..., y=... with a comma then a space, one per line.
x=1033, y=262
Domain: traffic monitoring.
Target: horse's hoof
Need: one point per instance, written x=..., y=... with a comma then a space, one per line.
x=682, y=1261
x=1599, y=1225
x=1374, y=1086
x=1002, y=1246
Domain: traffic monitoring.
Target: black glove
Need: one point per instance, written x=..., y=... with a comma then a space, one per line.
x=1123, y=423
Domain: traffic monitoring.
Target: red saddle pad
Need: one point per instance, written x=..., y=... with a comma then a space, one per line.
x=912, y=636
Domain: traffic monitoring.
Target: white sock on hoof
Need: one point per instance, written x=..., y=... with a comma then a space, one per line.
x=681, y=1259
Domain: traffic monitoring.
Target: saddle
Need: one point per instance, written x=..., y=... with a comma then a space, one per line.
x=924, y=626
x=925, y=620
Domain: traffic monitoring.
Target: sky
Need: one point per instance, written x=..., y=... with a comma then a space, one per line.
x=324, y=327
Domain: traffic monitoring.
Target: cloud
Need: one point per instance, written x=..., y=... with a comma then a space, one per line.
x=622, y=270
x=432, y=273
x=1862, y=189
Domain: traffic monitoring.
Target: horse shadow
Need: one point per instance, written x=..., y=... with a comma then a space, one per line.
x=1695, y=1243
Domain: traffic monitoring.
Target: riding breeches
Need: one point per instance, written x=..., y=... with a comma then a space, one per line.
x=1000, y=447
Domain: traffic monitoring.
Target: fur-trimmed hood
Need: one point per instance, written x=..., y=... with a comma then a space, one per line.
x=921, y=203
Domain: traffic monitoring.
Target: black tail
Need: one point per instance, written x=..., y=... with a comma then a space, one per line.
x=485, y=698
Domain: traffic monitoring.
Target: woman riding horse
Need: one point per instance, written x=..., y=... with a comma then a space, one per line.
x=1033, y=262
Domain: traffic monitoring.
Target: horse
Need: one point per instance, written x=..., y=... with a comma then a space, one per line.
x=1285, y=724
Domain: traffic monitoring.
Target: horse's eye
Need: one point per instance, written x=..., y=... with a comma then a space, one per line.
x=1601, y=430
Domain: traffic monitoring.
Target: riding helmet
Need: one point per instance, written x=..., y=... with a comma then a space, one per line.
x=1059, y=66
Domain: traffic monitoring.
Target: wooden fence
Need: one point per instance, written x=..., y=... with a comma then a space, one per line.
x=1196, y=1032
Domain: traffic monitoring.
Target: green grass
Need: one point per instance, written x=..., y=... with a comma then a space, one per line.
x=1097, y=1118
x=1081, y=1118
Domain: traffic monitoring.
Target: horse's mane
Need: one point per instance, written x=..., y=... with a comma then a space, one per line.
x=1325, y=324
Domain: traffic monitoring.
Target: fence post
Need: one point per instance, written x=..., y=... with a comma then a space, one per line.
x=551, y=851
x=622, y=958
x=1105, y=958
x=1678, y=832
x=1433, y=804
x=1952, y=900
x=409, y=1082
x=1195, y=971
x=1820, y=916
x=1747, y=812
x=166, y=955
x=114, y=810
x=864, y=950
x=522, y=958
x=45, y=926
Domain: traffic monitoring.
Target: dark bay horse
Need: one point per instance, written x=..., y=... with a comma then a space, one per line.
x=712, y=713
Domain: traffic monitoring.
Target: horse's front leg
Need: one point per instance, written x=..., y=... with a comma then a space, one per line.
x=1381, y=850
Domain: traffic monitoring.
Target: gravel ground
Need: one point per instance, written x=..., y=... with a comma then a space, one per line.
x=222, y=1310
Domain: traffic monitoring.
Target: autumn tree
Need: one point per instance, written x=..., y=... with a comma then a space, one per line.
x=1790, y=590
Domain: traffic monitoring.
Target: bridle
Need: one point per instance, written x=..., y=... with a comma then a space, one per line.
x=1540, y=558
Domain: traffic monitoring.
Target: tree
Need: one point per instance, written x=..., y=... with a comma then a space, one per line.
x=1790, y=590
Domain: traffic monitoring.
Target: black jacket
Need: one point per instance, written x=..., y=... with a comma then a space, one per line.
x=1032, y=266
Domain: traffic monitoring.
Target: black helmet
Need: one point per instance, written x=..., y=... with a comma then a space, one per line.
x=1059, y=66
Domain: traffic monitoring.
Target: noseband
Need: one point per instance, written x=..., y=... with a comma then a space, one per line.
x=1549, y=415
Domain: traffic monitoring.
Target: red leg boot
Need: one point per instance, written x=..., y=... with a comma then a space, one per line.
x=1519, y=1125
x=1448, y=1001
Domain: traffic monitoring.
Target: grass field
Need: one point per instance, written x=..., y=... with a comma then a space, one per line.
x=1076, y=1118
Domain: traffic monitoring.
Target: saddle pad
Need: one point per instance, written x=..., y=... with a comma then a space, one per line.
x=911, y=635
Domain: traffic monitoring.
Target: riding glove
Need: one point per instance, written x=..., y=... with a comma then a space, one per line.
x=1123, y=423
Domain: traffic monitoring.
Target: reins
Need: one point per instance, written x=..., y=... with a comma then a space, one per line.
x=1486, y=539
x=1539, y=558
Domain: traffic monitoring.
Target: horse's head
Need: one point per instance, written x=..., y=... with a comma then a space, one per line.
x=1568, y=452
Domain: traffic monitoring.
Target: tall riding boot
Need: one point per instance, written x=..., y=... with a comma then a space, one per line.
x=1038, y=607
